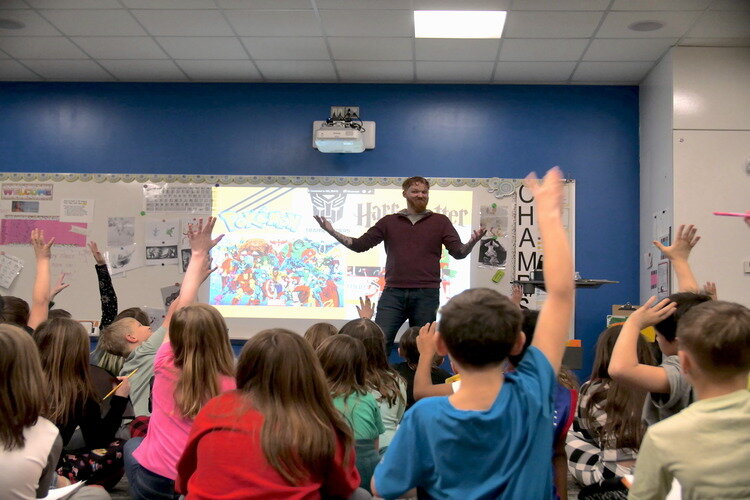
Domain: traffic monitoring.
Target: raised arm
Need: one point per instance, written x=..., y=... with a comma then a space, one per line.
x=326, y=225
x=427, y=346
x=678, y=253
x=372, y=236
x=107, y=293
x=624, y=366
x=552, y=326
x=40, y=295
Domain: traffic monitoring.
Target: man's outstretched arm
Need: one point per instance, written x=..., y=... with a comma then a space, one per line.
x=326, y=225
x=372, y=237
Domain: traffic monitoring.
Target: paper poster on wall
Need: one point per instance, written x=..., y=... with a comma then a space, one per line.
x=76, y=210
x=26, y=191
x=493, y=249
x=69, y=260
x=124, y=258
x=162, y=238
x=10, y=267
x=662, y=287
x=120, y=231
x=169, y=294
x=25, y=207
x=18, y=231
x=171, y=198
x=276, y=260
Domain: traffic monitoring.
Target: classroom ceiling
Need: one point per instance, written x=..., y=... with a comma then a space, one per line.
x=544, y=41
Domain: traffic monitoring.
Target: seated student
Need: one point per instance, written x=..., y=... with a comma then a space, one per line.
x=407, y=349
x=194, y=364
x=318, y=332
x=706, y=447
x=383, y=382
x=344, y=362
x=607, y=431
x=492, y=438
x=277, y=436
x=668, y=390
x=30, y=445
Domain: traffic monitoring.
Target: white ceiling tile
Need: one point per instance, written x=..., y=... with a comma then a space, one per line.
x=202, y=47
x=264, y=4
x=12, y=71
x=371, y=48
x=534, y=49
x=94, y=22
x=286, y=48
x=34, y=24
x=368, y=22
x=513, y=71
x=184, y=22
x=69, y=70
x=616, y=24
x=612, y=71
x=720, y=24
x=297, y=70
x=560, y=5
x=13, y=4
x=660, y=4
x=144, y=71
x=219, y=70
x=429, y=71
x=120, y=47
x=715, y=42
x=462, y=5
x=169, y=4
x=364, y=4
x=628, y=49
x=275, y=23
x=551, y=24
x=74, y=4
x=376, y=71
x=440, y=49
x=40, y=47
x=730, y=5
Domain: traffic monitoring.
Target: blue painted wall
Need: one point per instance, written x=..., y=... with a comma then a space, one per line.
x=430, y=130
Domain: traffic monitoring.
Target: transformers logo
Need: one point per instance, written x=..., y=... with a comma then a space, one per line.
x=328, y=204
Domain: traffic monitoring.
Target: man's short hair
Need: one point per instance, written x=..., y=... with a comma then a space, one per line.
x=717, y=335
x=685, y=301
x=414, y=180
x=479, y=327
x=112, y=338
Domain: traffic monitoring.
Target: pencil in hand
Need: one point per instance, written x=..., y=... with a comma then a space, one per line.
x=120, y=384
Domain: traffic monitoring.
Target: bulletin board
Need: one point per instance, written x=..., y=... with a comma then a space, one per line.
x=275, y=266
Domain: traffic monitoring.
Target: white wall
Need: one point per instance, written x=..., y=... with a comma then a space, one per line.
x=655, y=101
x=704, y=159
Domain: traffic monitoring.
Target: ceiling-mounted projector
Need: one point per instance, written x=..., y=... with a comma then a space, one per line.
x=343, y=132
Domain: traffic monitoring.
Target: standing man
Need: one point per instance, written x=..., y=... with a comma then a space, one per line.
x=413, y=238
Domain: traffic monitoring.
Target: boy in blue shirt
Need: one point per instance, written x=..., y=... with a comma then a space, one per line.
x=491, y=438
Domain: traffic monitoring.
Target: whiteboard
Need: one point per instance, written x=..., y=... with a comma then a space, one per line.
x=152, y=210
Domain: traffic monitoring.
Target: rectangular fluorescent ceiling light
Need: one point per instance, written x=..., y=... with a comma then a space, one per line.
x=459, y=23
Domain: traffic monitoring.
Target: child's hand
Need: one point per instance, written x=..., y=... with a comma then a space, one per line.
x=710, y=289
x=516, y=294
x=365, y=309
x=60, y=286
x=97, y=254
x=42, y=250
x=426, y=340
x=208, y=269
x=648, y=316
x=548, y=193
x=683, y=244
x=200, y=236
x=124, y=389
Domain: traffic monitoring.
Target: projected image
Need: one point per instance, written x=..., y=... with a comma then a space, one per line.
x=276, y=261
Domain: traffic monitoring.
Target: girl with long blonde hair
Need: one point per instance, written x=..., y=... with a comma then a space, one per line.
x=277, y=436
x=193, y=365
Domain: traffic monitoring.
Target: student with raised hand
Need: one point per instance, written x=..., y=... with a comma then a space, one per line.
x=40, y=294
x=407, y=349
x=277, y=436
x=678, y=254
x=344, y=362
x=193, y=364
x=706, y=447
x=492, y=438
x=383, y=382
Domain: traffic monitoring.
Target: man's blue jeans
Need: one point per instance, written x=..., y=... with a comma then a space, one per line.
x=396, y=305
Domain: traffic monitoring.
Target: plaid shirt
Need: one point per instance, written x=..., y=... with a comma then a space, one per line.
x=591, y=460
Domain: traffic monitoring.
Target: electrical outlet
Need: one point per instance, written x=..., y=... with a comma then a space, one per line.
x=343, y=112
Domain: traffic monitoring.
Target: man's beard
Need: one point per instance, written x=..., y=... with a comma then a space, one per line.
x=419, y=205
